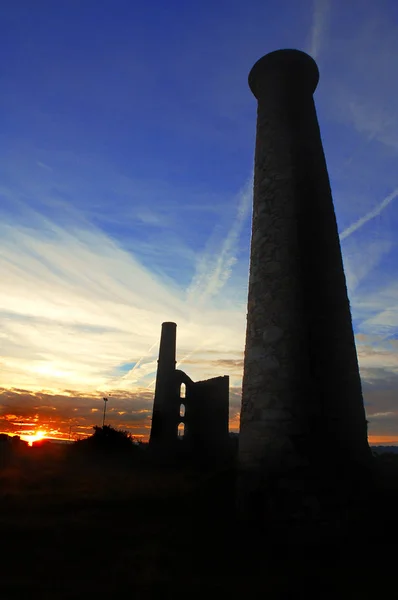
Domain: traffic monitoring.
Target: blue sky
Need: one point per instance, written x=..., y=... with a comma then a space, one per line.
x=126, y=153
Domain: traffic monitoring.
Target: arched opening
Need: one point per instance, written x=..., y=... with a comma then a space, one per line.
x=182, y=411
x=183, y=390
x=181, y=431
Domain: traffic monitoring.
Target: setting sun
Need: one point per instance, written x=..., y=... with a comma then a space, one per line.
x=38, y=435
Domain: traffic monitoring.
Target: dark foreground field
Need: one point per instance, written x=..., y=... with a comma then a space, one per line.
x=78, y=527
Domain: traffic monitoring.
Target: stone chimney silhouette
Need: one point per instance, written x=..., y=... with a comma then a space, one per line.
x=163, y=428
x=302, y=398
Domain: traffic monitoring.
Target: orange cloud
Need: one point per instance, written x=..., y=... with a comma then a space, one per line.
x=383, y=440
x=24, y=412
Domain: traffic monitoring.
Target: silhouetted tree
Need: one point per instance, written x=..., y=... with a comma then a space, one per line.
x=112, y=438
x=108, y=440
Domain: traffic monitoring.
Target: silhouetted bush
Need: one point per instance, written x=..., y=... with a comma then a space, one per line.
x=12, y=440
x=11, y=449
x=107, y=441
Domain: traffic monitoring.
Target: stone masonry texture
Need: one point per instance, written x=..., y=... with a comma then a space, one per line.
x=302, y=394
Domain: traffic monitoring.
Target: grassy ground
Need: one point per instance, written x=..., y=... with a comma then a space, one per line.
x=73, y=527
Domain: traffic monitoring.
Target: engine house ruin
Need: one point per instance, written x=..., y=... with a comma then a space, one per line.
x=195, y=413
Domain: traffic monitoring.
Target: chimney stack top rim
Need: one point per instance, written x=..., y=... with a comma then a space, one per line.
x=288, y=65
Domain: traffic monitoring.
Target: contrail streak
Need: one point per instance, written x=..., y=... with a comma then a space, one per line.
x=370, y=215
x=151, y=384
x=182, y=360
x=139, y=362
x=213, y=274
x=189, y=354
x=319, y=25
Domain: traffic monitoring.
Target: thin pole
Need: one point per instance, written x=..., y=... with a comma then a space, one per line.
x=103, y=419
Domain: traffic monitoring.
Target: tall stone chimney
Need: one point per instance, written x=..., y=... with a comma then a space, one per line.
x=302, y=397
x=163, y=424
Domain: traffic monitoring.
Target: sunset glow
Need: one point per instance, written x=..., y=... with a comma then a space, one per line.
x=383, y=440
x=126, y=200
x=38, y=435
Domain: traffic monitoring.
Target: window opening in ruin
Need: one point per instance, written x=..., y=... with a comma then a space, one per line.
x=182, y=410
x=181, y=431
x=183, y=390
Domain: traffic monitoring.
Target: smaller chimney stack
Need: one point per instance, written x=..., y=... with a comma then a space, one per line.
x=162, y=430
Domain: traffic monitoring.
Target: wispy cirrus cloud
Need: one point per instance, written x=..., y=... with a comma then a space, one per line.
x=361, y=58
x=117, y=211
x=77, y=306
